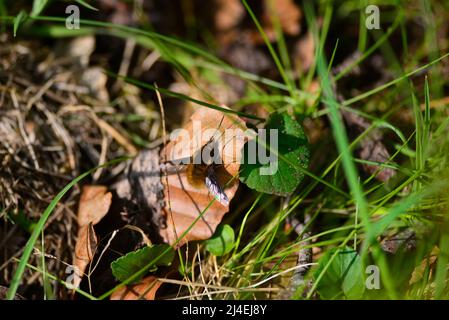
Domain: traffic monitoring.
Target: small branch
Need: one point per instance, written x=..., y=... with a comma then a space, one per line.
x=303, y=264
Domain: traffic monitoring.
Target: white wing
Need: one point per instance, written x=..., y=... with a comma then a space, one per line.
x=214, y=187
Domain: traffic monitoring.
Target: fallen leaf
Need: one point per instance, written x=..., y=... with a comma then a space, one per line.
x=228, y=15
x=288, y=12
x=428, y=262
x=94, y=203
x=289, y=16
x=185, y=200
x=144, y=290
x=85, y=247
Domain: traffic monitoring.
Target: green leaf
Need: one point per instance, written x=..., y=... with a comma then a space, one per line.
x=18, y=20
x=344, y=276
x=292, y=154
x=222, y=241
x=38, y=7
x=125, y=267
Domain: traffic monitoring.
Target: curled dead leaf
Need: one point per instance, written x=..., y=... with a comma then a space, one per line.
x=144, y=290
x=186, y=193
x=93, y=206
x=428, y=262
x=86, y=245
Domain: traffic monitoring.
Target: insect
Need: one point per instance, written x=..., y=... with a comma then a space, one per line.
x=206, y=173
x=202, y=172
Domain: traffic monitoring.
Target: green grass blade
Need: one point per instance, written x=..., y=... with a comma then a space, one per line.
x=183, y=97
x=393, y=82
x=38, y=7
x=85, y=4
x=339, y=131
x=21, y=17
x=273, y=53
x=427, y=119
x=53, y=277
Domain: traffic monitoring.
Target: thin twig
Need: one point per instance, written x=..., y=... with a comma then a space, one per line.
x=164, y=138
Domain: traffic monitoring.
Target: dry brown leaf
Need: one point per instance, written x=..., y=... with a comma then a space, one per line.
x=93, y=206
x=288, y=12
x=418, y=273
x=228, y=15
x=144, y=290
x=289, y=16
x=86, y=245
x=186, y=200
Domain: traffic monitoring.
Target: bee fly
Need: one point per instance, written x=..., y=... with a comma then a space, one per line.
x=200, y=172
x=205, y=173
